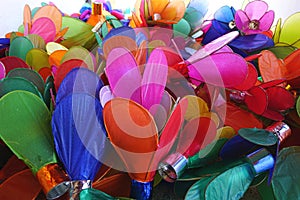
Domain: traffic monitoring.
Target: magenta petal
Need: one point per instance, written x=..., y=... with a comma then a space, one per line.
x=123, y=74
x=221, y=69
x=241, y=20
x=266, y=21
x=45, y=28
x=256, y=9
x=154, y=79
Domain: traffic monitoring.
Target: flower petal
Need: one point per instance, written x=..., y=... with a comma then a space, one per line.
x=256, y=9
x=241, y=20
x=224, y=14
x=266, y=21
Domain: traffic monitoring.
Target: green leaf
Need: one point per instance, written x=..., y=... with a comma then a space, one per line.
x=232, y=184
x=258, y=136
x=286, y=176
x=290, y=30
x=197, y=191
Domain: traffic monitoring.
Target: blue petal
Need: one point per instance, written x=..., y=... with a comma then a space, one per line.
x=225, y=14
x=252, y=42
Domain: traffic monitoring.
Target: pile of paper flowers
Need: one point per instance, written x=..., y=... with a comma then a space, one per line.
x=99, y=105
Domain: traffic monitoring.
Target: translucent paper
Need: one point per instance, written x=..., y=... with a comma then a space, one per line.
x=79, y=135
x=22, y=185
x=10, y=84
x=29, y=75
x=285, y=181
x=12, y=62
x=37, y=59
x=19, y=47
x=25, y=128
x=133, y=131
x=127, y=81
x=79, y=80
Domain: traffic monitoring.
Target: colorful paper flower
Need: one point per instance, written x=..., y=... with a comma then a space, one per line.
x=255, y=18
x=224, y=22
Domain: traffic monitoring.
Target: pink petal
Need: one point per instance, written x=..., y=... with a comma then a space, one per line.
x=154, y=79
x=123, y=74
x=256, y=9
x=45, y=28
x=266, y=21
x=213, y=46
x=241, y=20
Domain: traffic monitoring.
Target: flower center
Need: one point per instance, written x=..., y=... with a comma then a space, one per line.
x=254, y=25
x=232, y=24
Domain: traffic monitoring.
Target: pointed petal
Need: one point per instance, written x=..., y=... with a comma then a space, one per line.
x=154, y=79
x=213, y=46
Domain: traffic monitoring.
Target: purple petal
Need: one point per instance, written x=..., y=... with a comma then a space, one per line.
x=241, y=20
x=266, y=21
x=256, y=9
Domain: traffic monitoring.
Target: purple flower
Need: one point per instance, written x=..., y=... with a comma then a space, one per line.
x=255, y=18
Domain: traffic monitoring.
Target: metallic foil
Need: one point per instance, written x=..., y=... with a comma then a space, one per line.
x=261, y=160
x=172, y=167
x=53, y=180
x=281, y=130
x=77, y=186
x=141, y=190
x=97, y=8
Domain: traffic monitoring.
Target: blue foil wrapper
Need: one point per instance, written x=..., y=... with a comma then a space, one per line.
x=141, y=190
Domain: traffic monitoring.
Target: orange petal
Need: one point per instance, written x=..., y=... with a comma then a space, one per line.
x=292, y=64
x=157, y=7
x=56, y=57
x=270, y=67
x=52, y=13
x=27, y=19
x=174, y=11
x=118, y=41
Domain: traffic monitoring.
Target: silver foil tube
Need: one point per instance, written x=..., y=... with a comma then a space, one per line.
x=172, y=167
x=261, y=160
x=281, y=130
